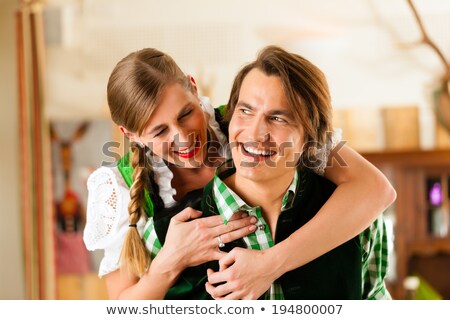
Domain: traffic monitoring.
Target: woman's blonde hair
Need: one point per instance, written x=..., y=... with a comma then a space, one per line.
x=134, y=89
x=306, y=90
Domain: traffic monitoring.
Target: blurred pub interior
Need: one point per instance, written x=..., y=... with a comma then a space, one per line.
x=390, y=91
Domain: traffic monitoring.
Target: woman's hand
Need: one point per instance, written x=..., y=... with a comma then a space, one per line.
x=247, y=274
x=192, y=240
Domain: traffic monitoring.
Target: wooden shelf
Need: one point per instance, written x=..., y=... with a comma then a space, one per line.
x=431, y=247
x=416, y=250
x=411, y=158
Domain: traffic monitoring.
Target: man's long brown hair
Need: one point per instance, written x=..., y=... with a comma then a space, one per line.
x=306, y=90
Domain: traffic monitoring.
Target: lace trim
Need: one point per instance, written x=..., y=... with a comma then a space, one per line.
x=107, y=216
x=103, y=208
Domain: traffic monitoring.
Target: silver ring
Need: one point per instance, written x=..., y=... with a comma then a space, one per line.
x=221, y=244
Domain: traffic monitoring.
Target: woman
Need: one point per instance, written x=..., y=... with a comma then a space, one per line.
x=177, y=144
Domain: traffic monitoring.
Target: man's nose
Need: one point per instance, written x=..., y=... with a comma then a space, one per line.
x=258, y=130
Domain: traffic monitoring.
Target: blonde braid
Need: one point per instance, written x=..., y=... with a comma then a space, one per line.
x=135, y=256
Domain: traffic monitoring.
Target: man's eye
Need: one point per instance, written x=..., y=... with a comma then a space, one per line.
x=278, y=119
x=244, y=111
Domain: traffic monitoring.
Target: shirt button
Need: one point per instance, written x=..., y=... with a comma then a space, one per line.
x=261, y=227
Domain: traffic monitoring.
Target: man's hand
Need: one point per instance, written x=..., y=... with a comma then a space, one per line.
x=247, y=275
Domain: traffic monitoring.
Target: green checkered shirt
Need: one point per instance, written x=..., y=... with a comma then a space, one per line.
x=374, y=242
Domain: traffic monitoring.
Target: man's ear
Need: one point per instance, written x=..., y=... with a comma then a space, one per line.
x=130, y=135
x=192, y=80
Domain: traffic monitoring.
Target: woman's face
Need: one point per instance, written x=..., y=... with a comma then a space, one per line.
x=177, y=130
x=265, y=141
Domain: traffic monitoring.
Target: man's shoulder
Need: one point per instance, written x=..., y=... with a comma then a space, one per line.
x=311, y=180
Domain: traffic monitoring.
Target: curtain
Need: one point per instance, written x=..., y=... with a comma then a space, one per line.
x=36, y=197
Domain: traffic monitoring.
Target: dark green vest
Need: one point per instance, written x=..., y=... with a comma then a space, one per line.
x=335, y=275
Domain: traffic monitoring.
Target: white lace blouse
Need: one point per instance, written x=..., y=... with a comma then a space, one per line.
x=108, y=198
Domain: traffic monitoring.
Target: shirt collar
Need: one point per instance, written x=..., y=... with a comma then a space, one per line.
x=228, y=202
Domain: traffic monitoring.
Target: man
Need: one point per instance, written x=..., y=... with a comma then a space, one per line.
x=280, y=106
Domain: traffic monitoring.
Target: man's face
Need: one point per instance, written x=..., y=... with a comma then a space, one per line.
x=265, y=140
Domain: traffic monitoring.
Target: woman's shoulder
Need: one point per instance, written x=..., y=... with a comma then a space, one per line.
x=104, y=175
x=106, y=207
